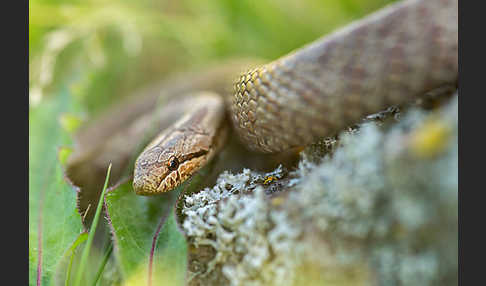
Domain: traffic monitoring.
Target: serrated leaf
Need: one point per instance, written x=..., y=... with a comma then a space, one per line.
x=54, y=223
x=143, y=227
x=92, y=232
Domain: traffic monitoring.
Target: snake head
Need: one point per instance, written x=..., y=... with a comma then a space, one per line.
x=159, y=171
x=177, y=153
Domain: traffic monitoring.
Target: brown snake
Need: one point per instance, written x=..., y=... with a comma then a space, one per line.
x=387, y=58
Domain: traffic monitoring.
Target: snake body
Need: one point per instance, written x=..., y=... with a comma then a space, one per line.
x=387, y=58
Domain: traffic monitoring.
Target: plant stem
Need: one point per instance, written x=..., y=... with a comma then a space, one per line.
x=103, y=264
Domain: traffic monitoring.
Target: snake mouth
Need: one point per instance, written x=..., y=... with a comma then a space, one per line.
x=141, y=185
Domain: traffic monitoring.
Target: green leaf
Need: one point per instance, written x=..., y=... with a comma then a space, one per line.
x=64, y=267
x=54, y=223
x=145, y=225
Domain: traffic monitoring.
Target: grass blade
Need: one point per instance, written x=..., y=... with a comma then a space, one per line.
x=81, y=238
x=103, y=264
x=92, y=231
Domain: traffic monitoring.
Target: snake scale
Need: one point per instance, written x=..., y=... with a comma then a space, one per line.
x=388, y=58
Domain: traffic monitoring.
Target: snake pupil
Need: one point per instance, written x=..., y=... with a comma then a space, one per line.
x=173, y=163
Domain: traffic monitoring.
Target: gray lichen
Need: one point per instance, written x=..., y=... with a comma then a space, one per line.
x=380, y=209
x=253, y=243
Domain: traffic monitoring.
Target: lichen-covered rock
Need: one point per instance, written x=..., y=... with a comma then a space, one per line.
x=382, y=210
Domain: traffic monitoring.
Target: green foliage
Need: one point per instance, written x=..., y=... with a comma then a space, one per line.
x=54, y=223
x=136, y=222
x=65, y=267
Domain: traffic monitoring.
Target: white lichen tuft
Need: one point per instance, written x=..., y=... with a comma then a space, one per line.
x=252, y=244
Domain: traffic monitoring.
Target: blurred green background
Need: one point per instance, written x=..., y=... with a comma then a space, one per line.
x=102, y=50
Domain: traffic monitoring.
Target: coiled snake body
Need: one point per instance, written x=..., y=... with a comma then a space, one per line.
x=387, y=58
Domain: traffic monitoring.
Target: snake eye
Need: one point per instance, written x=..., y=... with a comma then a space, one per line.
x=173, y=163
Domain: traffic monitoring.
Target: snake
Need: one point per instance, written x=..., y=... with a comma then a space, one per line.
x=389, y=57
